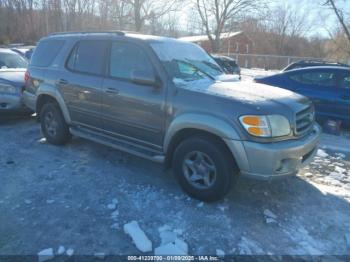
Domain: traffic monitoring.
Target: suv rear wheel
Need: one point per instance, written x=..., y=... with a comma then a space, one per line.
x=53, y=124
x=204, y=168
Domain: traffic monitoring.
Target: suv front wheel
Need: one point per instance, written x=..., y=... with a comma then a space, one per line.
x=204, y=168
x=53, y=124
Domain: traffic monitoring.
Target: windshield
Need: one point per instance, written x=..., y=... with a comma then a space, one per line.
x=12, y=60
x=186, y=61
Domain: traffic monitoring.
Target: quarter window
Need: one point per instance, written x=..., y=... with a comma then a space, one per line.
x=46, y=52
x=127, y=58
x=315, y=78
x=88, y=57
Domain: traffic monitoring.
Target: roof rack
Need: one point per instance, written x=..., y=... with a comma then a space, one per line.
x=121, y=33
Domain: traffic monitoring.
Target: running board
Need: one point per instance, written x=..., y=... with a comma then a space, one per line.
x=116, y=143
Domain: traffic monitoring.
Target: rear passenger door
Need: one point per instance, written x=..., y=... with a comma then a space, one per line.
x=132, y=111
x=81, y=82
x=319, y=86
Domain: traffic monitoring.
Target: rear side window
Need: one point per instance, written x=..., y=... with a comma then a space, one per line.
x=345, y=81
x=315, y=78
x=88, y=56
x=46, y=52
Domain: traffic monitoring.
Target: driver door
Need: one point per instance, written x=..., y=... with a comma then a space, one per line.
x=132, y=111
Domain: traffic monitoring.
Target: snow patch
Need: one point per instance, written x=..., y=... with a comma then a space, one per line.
x=115, y=215
x=201, y=204
x=138, y=236
x=61, y=250
x=249, y=247
x=321, y=153
x=169, y=249
x=70, y=252
x=113, y=205
x=268, y=213
x=220, y=253
x=45, y=255
x=171, y=244
x=339, y=169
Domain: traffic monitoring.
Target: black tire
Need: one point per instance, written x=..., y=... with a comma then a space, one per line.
x=58, y=133
x=226, y=168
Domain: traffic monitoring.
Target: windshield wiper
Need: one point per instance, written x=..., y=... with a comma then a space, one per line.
x=186, y=61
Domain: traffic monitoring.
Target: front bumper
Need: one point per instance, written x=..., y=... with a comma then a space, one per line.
x=271, y=160
x=11, y=103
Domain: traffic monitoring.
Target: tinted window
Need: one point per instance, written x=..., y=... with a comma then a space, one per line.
x=345, y=81
x=126, y=58
x=315, y=78
x=46, y=52
x=88, y=56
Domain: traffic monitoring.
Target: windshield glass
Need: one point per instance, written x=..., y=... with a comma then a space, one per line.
x=12, y=60
x=186, y=61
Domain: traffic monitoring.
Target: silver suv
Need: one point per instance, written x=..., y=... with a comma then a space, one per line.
x=168, y=101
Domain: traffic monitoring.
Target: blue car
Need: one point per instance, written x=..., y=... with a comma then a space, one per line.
x=327, y=86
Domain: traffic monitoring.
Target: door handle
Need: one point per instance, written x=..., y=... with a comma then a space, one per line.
x=62, y=82
x=112, y=90
x=345, y=97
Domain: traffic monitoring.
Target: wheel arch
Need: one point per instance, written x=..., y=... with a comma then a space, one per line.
x=45, y=96
x=197, y=125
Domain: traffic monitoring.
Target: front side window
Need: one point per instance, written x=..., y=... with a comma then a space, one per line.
x=315, y=78
x=185, y=61
x=127, y=58
x=88, y=56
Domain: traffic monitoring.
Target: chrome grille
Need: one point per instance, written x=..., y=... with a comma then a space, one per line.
x=304, y=120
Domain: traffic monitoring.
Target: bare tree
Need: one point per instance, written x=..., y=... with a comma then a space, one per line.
x=148, y=10
x=215, y=14
x=340, y=14
x=286, y=23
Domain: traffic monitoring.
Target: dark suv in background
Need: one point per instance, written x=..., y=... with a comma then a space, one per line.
x=228, y=64
x=162, y=99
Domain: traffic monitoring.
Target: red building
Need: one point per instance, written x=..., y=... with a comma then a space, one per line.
x=232, y=42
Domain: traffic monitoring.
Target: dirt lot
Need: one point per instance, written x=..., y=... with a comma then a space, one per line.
x=52, y=196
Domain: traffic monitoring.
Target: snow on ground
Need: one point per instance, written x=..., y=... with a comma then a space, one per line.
x=311, y=211
x=250, y=73
x=138, y=236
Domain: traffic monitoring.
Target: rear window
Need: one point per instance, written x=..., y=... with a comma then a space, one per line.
x=88, y=56
x=46, y=52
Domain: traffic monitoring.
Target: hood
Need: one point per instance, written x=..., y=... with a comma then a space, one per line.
x=227, y=78
x=13, y=76
x=250, y=93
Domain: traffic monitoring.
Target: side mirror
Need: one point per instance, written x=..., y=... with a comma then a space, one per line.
x=144, y=77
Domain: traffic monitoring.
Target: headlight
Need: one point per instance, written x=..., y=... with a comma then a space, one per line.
x=7, y=89
x=266, y=126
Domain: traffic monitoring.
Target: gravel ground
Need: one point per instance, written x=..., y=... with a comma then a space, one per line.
x=52, y=196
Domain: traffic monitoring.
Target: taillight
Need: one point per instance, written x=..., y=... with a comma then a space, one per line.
x=26, y=78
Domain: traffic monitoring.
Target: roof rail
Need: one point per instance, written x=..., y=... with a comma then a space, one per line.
x=121, y=33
